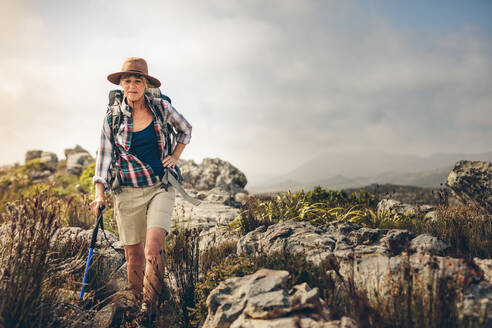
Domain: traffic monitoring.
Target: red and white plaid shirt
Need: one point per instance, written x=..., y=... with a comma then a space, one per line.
x=132, y=171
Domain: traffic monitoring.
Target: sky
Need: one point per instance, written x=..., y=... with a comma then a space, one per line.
x=266, y=85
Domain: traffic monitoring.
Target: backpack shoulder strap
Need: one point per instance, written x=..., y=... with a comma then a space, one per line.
x=157, y=103
x=115, y=99
x=157, y=96
x=115, y=95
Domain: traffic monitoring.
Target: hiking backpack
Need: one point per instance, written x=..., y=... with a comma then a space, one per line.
x=170, y=135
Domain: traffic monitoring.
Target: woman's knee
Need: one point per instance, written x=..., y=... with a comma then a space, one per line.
x=154, y=245
x=135, y=254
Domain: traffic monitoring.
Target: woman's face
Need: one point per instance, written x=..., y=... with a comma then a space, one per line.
x=133, y=87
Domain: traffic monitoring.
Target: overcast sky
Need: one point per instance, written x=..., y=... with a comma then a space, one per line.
x=266, y=85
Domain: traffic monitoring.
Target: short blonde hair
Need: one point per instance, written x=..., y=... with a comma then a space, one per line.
x=144, y=79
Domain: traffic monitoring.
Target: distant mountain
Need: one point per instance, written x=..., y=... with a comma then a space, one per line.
x=351, y=170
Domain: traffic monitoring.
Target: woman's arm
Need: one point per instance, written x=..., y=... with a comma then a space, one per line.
x=182, y=126
x=104, y=154
x=103, y=161
x=178, y=150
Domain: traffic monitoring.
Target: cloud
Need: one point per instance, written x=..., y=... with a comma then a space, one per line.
x=265, y=85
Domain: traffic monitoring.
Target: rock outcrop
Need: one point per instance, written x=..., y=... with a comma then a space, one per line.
x=211, y=173
x=32, y=154
x=50, y=160
x=76, y=150
x=392, y=207
x=77, y=160
x=262, y=300
x=210, y=218
x=108, y=260
x=471, y=182
x=375, y=258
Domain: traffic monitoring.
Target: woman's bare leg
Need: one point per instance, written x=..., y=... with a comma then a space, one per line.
x=154, y=259
x=135, y=265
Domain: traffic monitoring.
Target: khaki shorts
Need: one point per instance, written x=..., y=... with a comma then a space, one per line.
x=137, y=209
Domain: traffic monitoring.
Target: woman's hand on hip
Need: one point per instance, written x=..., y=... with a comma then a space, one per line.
x=94, y=205
x=169, y=161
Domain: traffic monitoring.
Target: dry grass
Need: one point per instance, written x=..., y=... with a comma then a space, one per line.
x=466, y=228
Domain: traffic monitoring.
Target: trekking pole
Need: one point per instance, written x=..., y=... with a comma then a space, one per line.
x=99, y=222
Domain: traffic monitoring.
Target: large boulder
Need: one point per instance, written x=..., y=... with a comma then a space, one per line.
x=263, y=300
x=77, y=159
x=32, y=154
x=211, y=173
x=106, y=260
x=77, y=162
x=210, y=218
x=78, y=149
x=50, y=160
x=471, y=182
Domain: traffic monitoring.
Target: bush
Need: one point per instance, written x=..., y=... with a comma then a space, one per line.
x=339, y=198
x=85, y=180
x=32, y=166
x=66, y=182
x=467, y=229
x=24, y=254
x=318, y=206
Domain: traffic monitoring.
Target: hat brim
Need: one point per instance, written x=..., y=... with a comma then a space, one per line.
x=115, y=78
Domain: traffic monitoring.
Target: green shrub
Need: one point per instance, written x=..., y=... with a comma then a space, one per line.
x=466, y=228
x=85, y=180
x=42, y=189
x=337, y=198
x=318, y=206
x=34, y=165
x=213, y=255
x=66, y=182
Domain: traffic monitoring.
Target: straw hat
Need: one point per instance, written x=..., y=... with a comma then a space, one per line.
x=134, y=65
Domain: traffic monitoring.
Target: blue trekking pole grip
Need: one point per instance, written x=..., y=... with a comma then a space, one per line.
x=91, y=249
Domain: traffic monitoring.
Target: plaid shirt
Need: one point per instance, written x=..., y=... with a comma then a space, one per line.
x=132, y=171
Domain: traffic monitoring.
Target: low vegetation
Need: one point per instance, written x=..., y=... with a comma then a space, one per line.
x=34, y=271
x=409, y=304
x=71, y=192
x=467, y=229
x=32, y=268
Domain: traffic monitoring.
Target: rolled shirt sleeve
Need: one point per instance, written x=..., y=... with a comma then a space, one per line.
x=182, y=126
x=104, y=153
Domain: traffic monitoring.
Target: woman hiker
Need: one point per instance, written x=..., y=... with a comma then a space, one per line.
x=143, y=207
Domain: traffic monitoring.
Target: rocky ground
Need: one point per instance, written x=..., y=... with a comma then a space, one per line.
x=376, y=259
